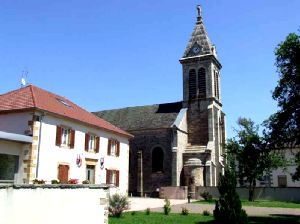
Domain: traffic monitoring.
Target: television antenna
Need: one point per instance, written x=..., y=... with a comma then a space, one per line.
x=24, y=77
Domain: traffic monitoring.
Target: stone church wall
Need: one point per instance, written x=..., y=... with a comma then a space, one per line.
x=197, y=118
x=144, y=142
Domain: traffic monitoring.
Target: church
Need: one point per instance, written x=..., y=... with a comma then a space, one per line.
x=178, y=143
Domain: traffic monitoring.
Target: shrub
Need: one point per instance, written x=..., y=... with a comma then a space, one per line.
x=133, y=212
x=37, y=181
x=55, y=181
x=167, y=207
x=147, y=211
x=86, y=182
x=73, y=181
x=228, y=208
x=184, y=211
x=117, y=204
x=206, y=213
x=206, y=196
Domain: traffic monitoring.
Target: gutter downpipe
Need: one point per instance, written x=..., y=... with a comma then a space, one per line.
x=39, y=146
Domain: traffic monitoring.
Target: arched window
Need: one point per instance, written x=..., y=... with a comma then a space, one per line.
x=157, y=160
x=201, y=83
x=192, y=84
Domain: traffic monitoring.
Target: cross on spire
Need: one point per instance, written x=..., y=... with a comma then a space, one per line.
x=199, y=17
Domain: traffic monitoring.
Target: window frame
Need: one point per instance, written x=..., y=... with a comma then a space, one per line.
x=65, y=137
x=113, y=177
x=113, y=148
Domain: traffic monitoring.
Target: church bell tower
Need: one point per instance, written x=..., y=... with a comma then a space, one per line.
x=202, y=98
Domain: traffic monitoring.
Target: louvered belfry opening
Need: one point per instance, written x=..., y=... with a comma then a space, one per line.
x=201, y=83
x=217, y=94
x=192, y=84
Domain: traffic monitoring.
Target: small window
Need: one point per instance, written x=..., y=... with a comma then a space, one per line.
x=282, y=181
x=113, y=147
x=112, y=177
x=157, y=160
x=91, y=143
x=65, y=137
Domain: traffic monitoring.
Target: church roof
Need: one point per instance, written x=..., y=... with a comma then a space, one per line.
x=32, y=97
x=143, y=117
x=199, y=37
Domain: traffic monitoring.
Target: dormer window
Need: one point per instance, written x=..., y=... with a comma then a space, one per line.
x=63, y=102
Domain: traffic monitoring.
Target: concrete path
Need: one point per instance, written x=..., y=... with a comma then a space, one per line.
x=155, y=204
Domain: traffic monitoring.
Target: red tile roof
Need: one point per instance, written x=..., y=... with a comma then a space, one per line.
x=32, y=97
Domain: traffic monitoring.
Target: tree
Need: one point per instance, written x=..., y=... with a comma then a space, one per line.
x=229, y=207
x=249, y=151
x=283, y=127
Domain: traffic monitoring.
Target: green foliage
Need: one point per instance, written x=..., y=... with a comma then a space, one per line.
x=296, y=175
x=184, y=211
x=249, y=155
x=167, y=207
x=55, y=181
x=117, y=204
x=37, y=181
x=283, y=127
x=147, y=211
x=133, y=212
x=158, y=217
x=206, y=213
x=228, y=208
x=206, y=196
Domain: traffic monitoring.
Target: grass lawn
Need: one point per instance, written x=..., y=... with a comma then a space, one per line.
x=160, y=218
x=261, y=203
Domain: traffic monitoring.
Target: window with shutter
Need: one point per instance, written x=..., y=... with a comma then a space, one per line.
x=86, y=142
x=117, y=178
x=113, y=147
x=112, y=177
x=91, y=143
x=97, y=144
x=58, y=135
x=65, y=137
x=72, y=139
x=107, y=176
x=108, y=147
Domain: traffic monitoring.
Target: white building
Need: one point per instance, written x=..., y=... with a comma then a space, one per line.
x=47, y=137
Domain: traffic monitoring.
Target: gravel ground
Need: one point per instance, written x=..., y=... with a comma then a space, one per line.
x=155, y=204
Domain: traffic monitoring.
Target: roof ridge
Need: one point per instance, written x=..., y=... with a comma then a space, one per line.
x=33, y=95
x=123, y=108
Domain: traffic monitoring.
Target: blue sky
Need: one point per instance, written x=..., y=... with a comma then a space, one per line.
x=113, y=54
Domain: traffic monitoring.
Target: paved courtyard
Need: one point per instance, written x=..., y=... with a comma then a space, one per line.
x=155, y=204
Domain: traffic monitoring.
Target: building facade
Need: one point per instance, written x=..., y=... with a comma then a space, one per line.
x=179, y=144
x=47, y=137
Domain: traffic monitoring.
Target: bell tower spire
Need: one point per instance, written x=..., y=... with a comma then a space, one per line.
x=200, y=66
x=202, y=99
